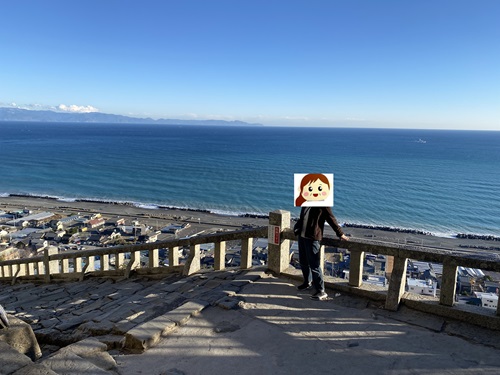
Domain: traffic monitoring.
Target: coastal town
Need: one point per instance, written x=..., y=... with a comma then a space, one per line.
x=25, y=232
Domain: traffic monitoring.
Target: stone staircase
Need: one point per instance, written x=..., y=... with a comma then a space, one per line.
x=80, y=326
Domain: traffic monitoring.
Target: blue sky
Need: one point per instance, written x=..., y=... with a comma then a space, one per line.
x=351, y=63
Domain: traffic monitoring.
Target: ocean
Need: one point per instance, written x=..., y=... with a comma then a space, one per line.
x=442, y=182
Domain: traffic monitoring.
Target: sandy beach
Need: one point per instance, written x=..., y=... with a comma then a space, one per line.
x=205, y=221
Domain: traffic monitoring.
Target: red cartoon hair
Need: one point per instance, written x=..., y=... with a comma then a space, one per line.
x=306, y=180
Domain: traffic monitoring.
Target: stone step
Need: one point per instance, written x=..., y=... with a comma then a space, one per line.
x=87, y=356
x=147, y=334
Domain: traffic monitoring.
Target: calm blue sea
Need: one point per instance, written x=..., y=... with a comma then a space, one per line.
x=444, y=182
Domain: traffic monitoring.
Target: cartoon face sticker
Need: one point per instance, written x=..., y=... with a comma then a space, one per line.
x=314, y=189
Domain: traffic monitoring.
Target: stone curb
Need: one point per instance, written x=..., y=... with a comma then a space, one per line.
x=146, y=335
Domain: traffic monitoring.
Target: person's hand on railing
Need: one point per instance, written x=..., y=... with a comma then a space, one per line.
x=344, y=237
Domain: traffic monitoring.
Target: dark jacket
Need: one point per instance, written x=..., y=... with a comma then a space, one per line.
x=316, y=222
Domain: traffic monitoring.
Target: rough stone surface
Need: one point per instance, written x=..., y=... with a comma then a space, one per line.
x=34, y=369
x=68, y=363
x=86, y=356
x=20, y=336
x=275, y=329
x=11, y=360
x=148, y=334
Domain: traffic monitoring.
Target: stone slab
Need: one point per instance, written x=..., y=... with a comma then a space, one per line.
x=102, y=360
x=11, y=360
x=68, y=363
x=86, y=347
x=20, y=336
x=35, y=369
x=145, y=335
x=182, y=314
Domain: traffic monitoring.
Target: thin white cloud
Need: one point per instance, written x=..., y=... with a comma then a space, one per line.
x=29, y=107
x=77, y=108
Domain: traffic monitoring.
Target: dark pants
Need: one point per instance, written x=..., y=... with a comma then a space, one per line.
x=310, y=262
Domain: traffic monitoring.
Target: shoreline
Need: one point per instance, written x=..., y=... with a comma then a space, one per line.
x=154, y=206
x=204, y=219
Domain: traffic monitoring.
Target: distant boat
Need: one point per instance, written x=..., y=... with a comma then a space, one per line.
x=420, y=140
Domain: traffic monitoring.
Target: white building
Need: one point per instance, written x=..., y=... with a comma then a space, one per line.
x=488, y=300
x=426, y=287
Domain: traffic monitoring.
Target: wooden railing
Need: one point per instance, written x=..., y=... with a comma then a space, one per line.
x=53, y=265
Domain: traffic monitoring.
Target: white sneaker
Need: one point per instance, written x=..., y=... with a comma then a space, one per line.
x=320, y=296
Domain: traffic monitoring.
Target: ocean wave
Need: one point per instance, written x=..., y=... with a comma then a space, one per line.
x=387, y=228
x=68, y=200
x=147, y=206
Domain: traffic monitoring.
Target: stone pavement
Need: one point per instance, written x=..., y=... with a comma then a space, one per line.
x=238, y=322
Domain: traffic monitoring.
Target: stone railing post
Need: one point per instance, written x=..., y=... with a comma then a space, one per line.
x=448, y=283
x=153, y=258
x=356, y=268
x=119, y=260
x=220, y=256
x=397, y=284
x=246, y=253
x=278, y=250
x=65, y=265
x=90, y=263
x=51, y=266
x=105, y=262
x=32, y=269
x=173, y=256
x=193, y=262
x=135, y=259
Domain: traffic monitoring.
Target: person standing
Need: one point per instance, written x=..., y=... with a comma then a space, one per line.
x=309, y=228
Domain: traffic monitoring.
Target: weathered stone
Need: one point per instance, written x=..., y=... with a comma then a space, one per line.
x=54, y=337
x=34, y=369
x=102, y=360
x=250, y=276
x=122, y=327
x=225, y=326
x=96, y=328
x=212, y=284
x=20, y=337
x=240, y=283
x=106, y=314
x=75, y=321
x=87, y=356
x=77, y=287
x=11, y=360
x=112, y=341
x=148, y=334
x=48, y=323
x=213, y=297
x=86, y=347
x=172, y=371
x=182, y=314
x=175, y=286
x=228, y=303
x=68, y=363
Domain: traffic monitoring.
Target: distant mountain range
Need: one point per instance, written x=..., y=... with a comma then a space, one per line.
x=18, y=114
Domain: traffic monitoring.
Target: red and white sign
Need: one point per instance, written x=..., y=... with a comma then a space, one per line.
x=274, y=234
